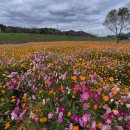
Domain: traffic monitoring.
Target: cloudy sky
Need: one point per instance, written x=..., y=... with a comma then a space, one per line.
x=86, y=15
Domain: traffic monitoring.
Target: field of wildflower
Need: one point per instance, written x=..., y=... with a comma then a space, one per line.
x=65, y=86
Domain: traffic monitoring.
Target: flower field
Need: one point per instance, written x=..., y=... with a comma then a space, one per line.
x=65, y=86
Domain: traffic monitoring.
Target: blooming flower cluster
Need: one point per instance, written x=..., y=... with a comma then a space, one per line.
x=66, y=87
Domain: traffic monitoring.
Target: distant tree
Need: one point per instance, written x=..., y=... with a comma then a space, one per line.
x=117, y=20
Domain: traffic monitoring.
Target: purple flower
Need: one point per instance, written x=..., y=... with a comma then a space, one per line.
x=75, y=118
x=60, y=119
x=85, y=106
x=50, y=115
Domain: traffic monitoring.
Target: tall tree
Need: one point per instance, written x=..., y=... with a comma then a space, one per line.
x=117, y=20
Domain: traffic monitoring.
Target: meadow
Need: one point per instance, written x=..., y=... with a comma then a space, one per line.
x=26, y=37
x=65, y=86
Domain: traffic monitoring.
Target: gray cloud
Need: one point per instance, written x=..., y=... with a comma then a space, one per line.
x=69, y=14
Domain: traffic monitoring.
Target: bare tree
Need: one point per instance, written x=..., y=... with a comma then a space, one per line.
x=117, y=20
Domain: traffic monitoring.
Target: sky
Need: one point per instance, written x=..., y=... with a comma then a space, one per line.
x=78, y=15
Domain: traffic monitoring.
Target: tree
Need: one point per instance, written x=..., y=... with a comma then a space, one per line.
x=117, y=20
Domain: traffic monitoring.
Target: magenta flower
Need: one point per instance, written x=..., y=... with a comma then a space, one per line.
x=75, y=118
x=38, y=129
x=62, y=109
x=50, y=116
x=60, y=119
x=95, y=95
x=85, y=106
x=10, y=85
x=128, y=124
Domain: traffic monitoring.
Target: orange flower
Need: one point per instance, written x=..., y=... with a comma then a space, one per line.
x=95, y=107
x=42, y=120
x=7, y=125
x=99, y=89
x=82, y=78
x=99, y=125
x=111, y=79
x=126, y=89
x=114, y=92
x=69, y=114
x=105, y=98
x=74, y=77
x=51, y=92
x=75, y=128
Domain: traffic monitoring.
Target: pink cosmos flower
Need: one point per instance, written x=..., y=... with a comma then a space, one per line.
x=60, y=119
x=120, y=127
x=85, y=106
x=50, y=116
x=93, y=125
x=63, y=76
x=108, y=121
x=21, y=115
x=84, y=120
x=85, y=96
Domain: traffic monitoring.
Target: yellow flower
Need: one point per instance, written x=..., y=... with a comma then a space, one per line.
x=82, y=78
x=42, y=120
x=74, y=77
x=73, y=96
x=13, y=100
x=7, y=125
x=40, y=91
x=3, y=91
x=105, y=98
x=24, y=97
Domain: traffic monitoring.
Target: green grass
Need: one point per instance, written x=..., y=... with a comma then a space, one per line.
x=22, y=38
